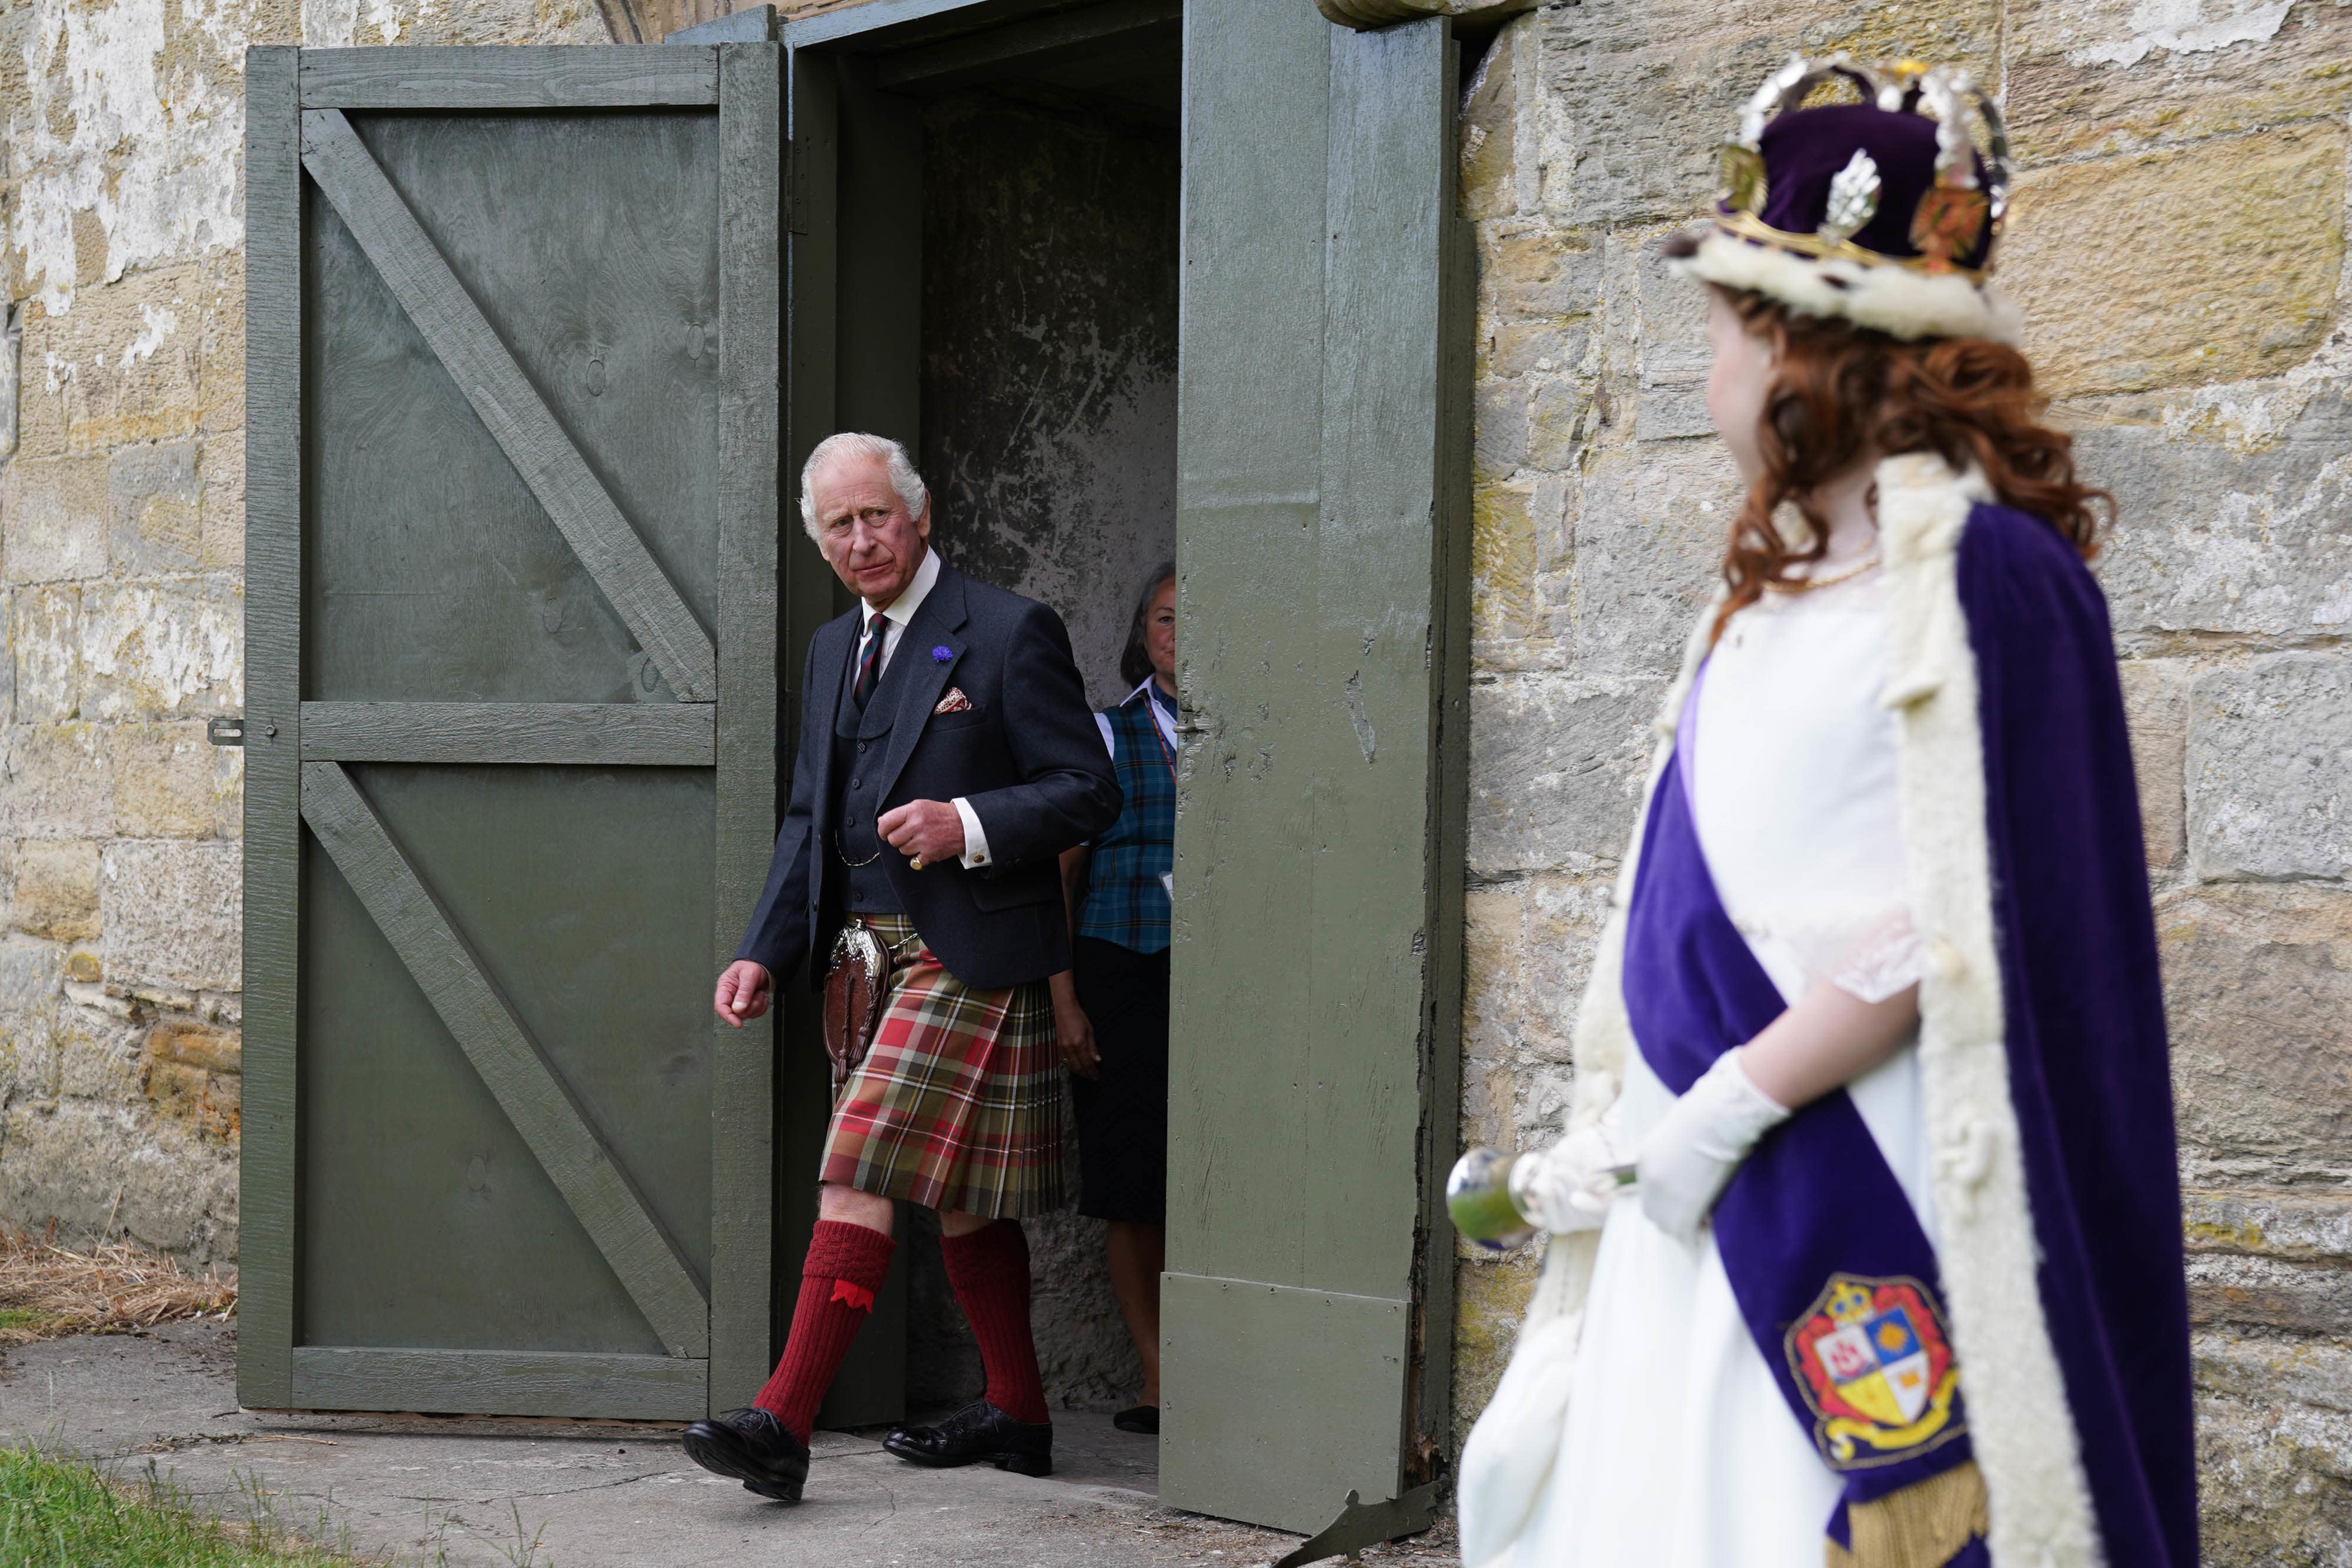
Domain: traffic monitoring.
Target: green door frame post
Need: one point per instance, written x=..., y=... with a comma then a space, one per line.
x=295, y=120
x=1323, y=550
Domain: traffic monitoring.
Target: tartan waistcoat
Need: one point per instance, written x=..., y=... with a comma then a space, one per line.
x=1126, y=901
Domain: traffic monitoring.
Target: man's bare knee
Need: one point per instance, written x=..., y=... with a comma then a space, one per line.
x=848, y=1206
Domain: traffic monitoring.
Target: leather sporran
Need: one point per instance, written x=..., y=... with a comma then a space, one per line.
x=855, y=984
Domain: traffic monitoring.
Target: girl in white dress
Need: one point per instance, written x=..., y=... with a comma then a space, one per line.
x=1798, y=1306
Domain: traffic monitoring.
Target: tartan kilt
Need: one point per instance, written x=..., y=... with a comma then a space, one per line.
x=958, y=1104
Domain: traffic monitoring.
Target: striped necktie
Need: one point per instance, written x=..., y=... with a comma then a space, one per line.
x=870, y=668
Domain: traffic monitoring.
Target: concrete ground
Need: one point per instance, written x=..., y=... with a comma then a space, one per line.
x=433, y=1490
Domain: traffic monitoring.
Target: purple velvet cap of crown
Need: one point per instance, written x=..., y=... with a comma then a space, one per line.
x=1803, y=151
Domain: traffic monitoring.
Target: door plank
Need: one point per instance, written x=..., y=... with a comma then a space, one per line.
x=485, y=77
x=273, y=645
x=499, y=1383
x=1290, y=1397
x=742, y=1177
x=607, y=735
x=454, y=326
x=552, y=1122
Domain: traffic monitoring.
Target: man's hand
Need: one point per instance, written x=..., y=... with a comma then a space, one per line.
x=925, y=830
x=1074, y=1032
x=743, y=992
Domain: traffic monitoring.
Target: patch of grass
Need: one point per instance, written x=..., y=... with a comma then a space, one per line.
x=61, y=1513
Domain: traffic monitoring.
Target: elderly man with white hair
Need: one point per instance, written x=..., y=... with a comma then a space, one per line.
x=947, y=758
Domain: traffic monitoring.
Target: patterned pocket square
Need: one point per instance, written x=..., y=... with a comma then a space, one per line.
x=954, y=702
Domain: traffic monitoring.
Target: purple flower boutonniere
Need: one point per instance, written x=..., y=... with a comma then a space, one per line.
x=942, y=654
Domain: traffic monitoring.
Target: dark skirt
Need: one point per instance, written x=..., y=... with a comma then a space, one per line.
x=1123, y=1115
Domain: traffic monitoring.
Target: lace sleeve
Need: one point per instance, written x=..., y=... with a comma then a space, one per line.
x=1887, y=959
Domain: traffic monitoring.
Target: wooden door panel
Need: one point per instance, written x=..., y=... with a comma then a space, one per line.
x=515, y=529
x=431, y=571
x=1321, y=547
x=584, y=893
x=426, y=1221
x=590, y=243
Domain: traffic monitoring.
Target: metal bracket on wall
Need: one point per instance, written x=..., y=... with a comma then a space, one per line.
x=226, y=731
x=1362, y=1524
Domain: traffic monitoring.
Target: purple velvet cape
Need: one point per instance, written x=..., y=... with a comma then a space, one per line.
x=2083, y=1034
x=2084, y=1024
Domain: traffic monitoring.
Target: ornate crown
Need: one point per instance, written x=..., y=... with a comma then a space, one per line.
x=1883, y=211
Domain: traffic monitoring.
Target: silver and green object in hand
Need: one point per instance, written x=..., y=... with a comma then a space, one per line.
x=1478, y=1198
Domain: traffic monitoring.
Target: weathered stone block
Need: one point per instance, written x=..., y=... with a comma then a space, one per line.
x=55, y=889
x=32, y=982
x=1640, y=96
x=1490, y=1302
x=164, y=650
x=2251, y=537
x=1487, y=133
x=1526, y=272
x=2270, y=768
x=157, y=512
x=1501, y=561
x=1500, y=430
x=54, y=782
x=2274, y=1449
x=2210, y=262
x=1556, y=769
x=53, y=520
x=45, y=651
x=2113, y=75
x=193, y=1073
x=171, y=912
x=170, y=782
x=121, y=366
x=2258, y=988
x=2310, y=1225
x=83, y=1161
x=1559, y=420
x=2156, y=706
x=1650, y=535
x=98, y=1054
x=220, y=344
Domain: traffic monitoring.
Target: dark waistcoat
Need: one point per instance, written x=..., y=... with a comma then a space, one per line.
x=859, y=741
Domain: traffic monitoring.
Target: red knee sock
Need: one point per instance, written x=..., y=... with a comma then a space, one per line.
x=845, y=1267
x=990, y=1273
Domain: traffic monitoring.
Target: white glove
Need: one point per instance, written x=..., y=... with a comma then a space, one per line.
x=1570, y=1186
x=1690, y=1154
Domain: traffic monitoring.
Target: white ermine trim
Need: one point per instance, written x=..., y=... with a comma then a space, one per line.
x=2023, y=1431
x=1893, y=299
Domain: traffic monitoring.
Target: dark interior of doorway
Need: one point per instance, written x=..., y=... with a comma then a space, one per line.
x=1048, y=436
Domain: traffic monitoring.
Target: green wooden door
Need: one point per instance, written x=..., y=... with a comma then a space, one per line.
x=513, y=391
x=1322, y=545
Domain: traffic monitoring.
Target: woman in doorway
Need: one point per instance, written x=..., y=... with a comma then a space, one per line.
x=1110, y=1010
x=1867, y=1227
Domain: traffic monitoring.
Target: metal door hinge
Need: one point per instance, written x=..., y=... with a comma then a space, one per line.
x=224, y=731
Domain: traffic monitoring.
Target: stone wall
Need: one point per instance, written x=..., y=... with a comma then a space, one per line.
x=121, y=556
x=2179, y=247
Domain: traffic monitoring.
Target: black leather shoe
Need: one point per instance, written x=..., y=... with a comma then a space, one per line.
x=751, y=1446
x=977, y=1431
x=1144, y=1418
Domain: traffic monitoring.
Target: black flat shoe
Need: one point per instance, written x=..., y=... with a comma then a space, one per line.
x=1144, y=1418
x=977, y=1431
x=751, y=1446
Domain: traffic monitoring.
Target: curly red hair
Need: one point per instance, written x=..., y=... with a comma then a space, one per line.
x=1841, y=392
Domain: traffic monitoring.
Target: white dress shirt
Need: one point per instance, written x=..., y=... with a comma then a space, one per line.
x=895, y=618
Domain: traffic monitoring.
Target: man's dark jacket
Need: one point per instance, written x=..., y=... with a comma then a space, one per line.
x=1026, y=755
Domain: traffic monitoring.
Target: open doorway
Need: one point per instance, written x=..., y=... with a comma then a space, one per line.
x=977, y=203
x=1004, y=286
x=1049, y=441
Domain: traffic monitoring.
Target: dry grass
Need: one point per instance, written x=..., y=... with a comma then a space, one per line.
x=47, y=1291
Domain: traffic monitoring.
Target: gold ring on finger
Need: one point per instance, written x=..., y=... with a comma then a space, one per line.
x=915, y=864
